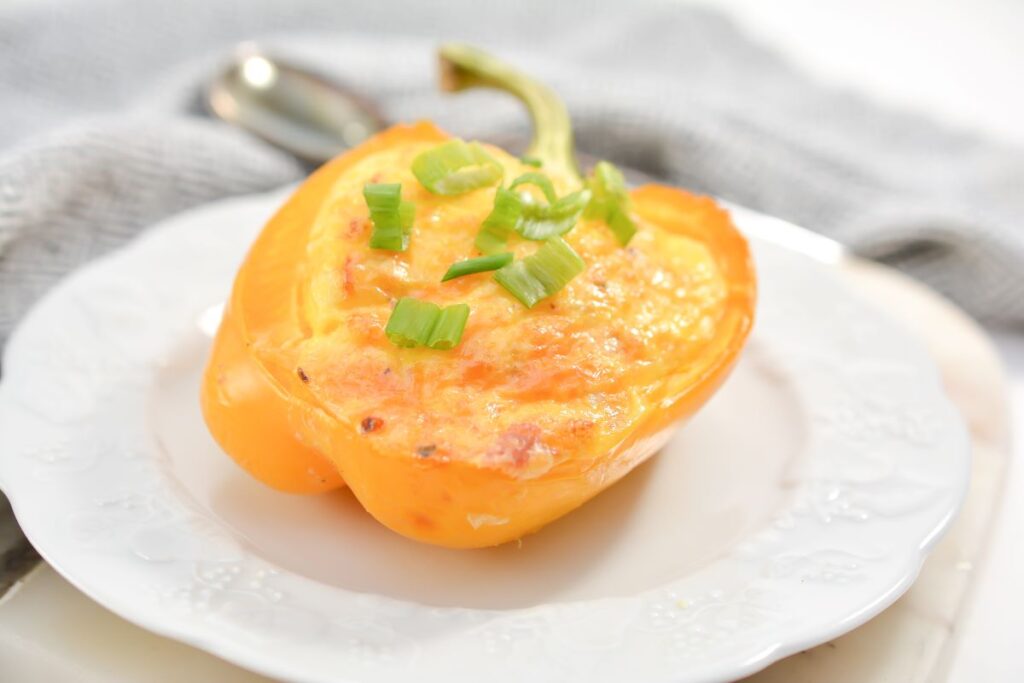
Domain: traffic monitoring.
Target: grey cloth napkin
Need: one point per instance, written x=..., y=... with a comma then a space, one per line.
x=101, y=133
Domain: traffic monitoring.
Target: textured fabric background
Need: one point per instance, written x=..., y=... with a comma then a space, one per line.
x=101, y=133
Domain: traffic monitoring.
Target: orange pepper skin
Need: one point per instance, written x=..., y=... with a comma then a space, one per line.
x=282, y=427
x=252, y=406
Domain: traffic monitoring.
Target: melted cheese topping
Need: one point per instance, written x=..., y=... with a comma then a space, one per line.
x=526, y=388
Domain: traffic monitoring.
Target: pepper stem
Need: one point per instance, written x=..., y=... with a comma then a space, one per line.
x=465, y=67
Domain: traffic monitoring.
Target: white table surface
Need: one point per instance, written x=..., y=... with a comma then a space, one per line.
x=963, y=62
x=960, y=61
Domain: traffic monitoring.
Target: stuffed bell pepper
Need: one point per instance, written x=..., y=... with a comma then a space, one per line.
x=474, y=343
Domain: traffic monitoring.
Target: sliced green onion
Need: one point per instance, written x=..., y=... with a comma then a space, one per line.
x=608, y=188
x=477, y=265
x=541, y=274
x=392, y=218
x=456, y=167
x=539, y=180
x=542, y=221
x=411, y=322
x=422, y=323
x=447, y=332
x=621, y=225
x=516, y=278
x=555, y=264
x=496, y=228
x=406, y=215
x=531, y=161
x=532, y=220
x=557, y=217
x=610, y=201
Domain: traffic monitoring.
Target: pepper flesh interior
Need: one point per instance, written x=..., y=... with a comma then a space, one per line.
x=532, y=414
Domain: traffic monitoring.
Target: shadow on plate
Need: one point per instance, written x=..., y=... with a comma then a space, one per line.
x=711, y=485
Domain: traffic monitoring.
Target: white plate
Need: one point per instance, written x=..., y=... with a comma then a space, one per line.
x=797, y=505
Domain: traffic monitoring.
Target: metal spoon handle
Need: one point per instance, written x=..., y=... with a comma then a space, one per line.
x=290, y=107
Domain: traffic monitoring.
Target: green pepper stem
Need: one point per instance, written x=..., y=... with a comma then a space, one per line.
x=465, y=67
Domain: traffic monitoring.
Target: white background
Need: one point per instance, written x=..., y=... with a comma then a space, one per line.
x=963, y=63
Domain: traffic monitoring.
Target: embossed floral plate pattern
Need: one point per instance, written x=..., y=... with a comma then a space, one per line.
x=797, y=505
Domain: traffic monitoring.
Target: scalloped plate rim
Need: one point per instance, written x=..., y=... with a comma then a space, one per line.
x=753, y=223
